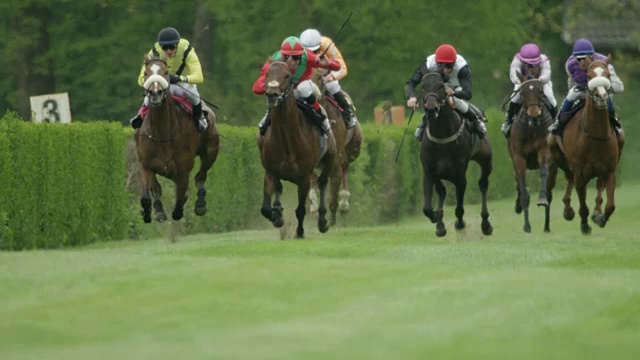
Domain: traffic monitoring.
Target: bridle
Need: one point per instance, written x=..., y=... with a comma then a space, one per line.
x=275, y=84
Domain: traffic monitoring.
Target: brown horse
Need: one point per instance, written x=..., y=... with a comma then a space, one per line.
x=589, y=148
x=528, y=148
x=445, y=151
x=291, y=149
x=348, y=144
x=167, y=144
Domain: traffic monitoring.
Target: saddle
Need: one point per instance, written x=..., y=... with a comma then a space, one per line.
x=565, y=116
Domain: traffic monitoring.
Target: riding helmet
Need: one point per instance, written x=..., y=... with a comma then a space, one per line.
x=168, y=36
x=291, y=46
x=583, y=47
x=446, y=53
x=310, y=39
x=530, y=54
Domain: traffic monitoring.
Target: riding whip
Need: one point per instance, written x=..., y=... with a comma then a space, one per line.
x=405, y=133
x=336, y=34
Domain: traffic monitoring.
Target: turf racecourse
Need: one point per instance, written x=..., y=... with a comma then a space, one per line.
x=387, y=292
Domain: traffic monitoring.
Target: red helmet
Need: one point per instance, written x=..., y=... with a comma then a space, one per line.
x=291, y=46
x=446, y=53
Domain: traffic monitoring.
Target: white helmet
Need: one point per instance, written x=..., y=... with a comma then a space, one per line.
x=310, y=39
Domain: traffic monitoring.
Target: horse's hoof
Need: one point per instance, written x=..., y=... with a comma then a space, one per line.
x=147, y=219
x=278, y=222
x=200, y=211
x=160, y=217
x=599, y=219
x=487, y=229
x=441, y=232
x=527, y=229
x=176, y=215
x=547, y=230
x=543, y=202
x=323, y=227
x=343, y=206
x=429, y=215
x=460, y=224
x=569, y=214
x=586, y=229
x=518, y=207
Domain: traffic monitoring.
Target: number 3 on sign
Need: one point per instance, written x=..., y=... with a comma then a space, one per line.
x=51, y=108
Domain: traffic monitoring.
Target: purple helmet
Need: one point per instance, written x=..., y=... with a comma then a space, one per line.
x=530, y=54
x=583, y=47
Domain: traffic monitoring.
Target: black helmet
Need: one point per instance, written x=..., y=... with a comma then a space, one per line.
x=168, y=36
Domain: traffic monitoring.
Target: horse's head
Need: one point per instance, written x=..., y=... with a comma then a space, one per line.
x=279, y=84
x=433, y=94
x=156, y=84
x=531, y=95
x=599, y=81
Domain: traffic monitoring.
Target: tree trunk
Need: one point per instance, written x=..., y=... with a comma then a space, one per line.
x=35, y=77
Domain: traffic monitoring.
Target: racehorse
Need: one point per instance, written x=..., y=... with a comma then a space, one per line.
x=348, y=144
x=528, y=148
x=445, y=151
x=167, y=144
x=291, y=149
x=589, y=148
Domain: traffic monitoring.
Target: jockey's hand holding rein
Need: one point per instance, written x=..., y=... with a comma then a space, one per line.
x=322, y=60
x=412, y=103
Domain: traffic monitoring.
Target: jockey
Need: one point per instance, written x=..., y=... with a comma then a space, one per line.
x=577, y=83
x=185, y=72
x=457, y=76
x=529, y=61
x=312, y=40
x=302, y=62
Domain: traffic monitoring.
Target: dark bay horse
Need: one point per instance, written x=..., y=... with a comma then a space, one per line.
x=291, y=149
x=167, y=144
x=348, y=144
x=589, y=148
x=528, y=148
x=445, y=151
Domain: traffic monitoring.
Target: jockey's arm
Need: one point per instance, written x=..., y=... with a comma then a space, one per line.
x=616, y=84
x=545, y=72
x=259, y=85
x=194, y=69
x=322, y=62
x=514, y=68
x=414, y=80
x=464, y=78
x=334, y=54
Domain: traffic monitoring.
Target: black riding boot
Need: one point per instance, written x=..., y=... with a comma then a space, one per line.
x=136, y=121
x=420, y=129
x=320, y=119
x=347, y=107
x=198, y=119
x=264, y=123
x=477, y=123
x=615, y=122
x=508, y=120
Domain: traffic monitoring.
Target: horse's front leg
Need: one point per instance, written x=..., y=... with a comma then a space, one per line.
x=427, y=186
x=182, y=184
x=441, y=230
x=485, y=171
x=610, y=207
x=581, y=189
x=568, y=212
x=597, y=210
x=550, y=184
x=146, y=178
x=461, y=188
x=323, y=225
x=520, y=168
x=156, y=193
x=272, y=214
x=335, y=179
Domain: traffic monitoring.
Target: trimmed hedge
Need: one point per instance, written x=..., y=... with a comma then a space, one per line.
x=73, y=184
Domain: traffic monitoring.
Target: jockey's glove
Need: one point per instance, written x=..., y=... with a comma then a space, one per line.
x=174, y=79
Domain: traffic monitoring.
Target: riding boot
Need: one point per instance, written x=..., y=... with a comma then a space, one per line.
x=321, y=118
x=136, y=121
x=420, y=129
x=508, y=120
x=265, y=122
x=347, y=108
x=615, y=122
x=558, y=125
x=198, y=118
x=478, y=125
